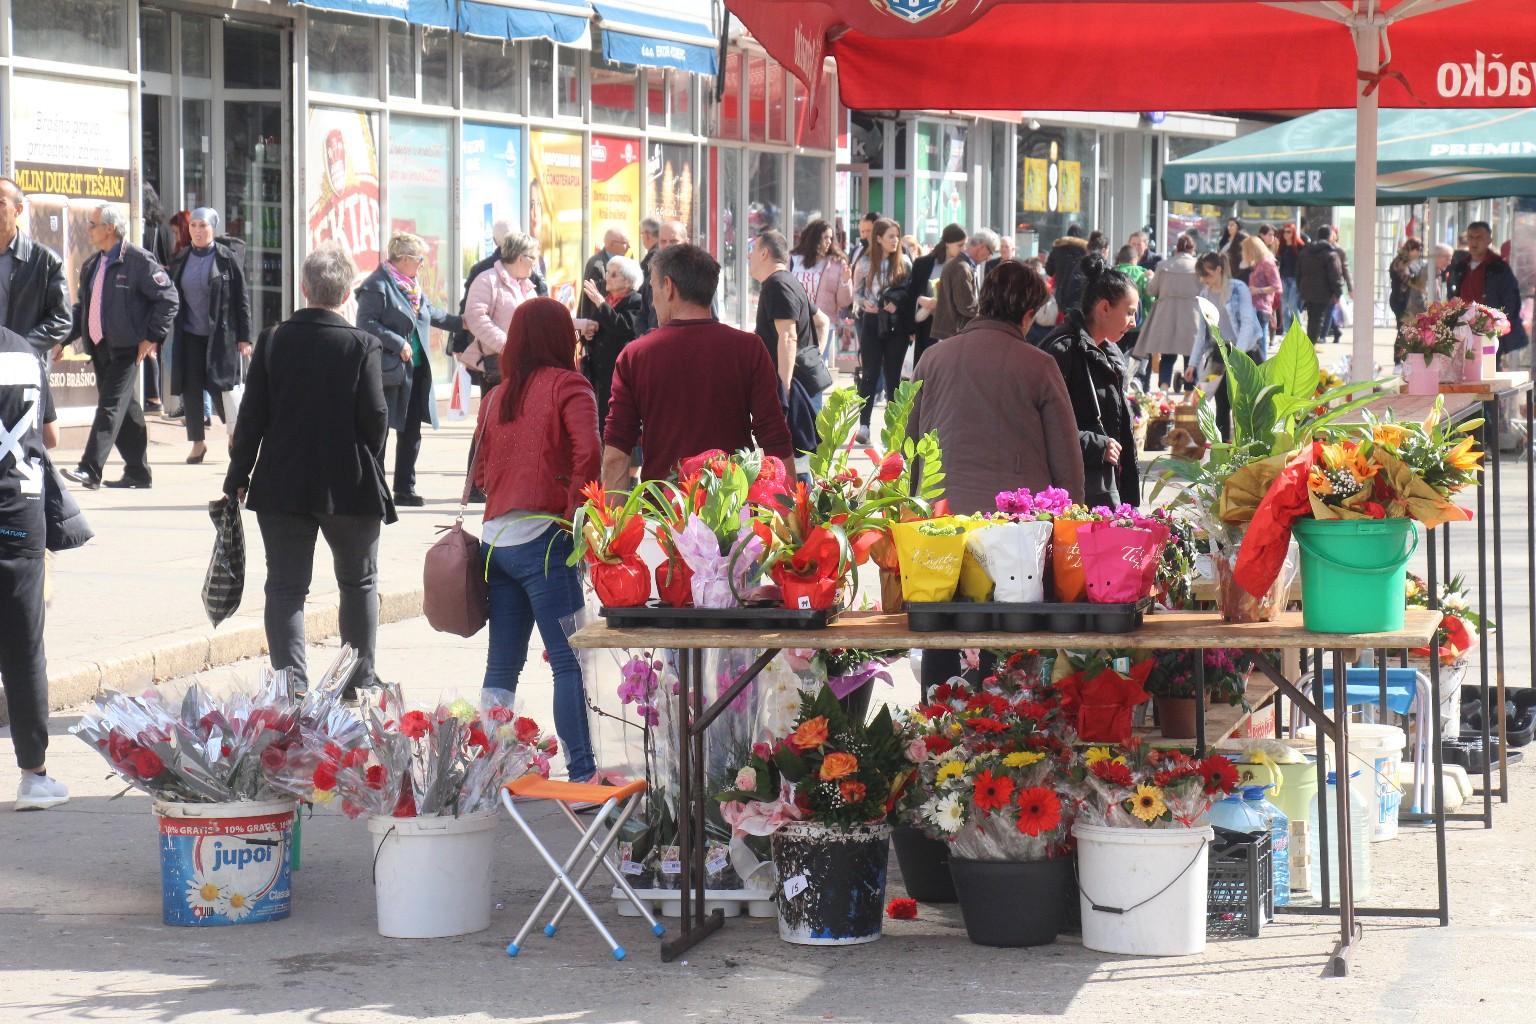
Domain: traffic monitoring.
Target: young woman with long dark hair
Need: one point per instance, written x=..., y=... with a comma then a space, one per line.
x=880, y=283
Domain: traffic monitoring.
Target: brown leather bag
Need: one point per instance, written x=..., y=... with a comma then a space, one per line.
x=455, y=597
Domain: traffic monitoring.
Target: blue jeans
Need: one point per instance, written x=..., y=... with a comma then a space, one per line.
x=1290, y=303
x=524, y=594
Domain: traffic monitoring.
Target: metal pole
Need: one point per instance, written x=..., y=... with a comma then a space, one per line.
x=1487, y=430
x=1498, y=610
x=1345, y=841
x=1362, y=364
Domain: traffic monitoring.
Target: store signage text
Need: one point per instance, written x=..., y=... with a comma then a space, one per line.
x=1487, y=75
x=1237, y=183
x=351, y=219
x=110, y=185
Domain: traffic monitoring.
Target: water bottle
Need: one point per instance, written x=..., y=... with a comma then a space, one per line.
x=1359, y=839
x=1234, y=813
x=1279, y=840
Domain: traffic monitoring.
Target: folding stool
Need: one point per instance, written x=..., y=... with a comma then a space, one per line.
x=623, y=799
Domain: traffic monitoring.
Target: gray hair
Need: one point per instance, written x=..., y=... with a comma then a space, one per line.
x=114, y=217
x=986, y=237
x=328, y=274
x=406, y=244
x=517, y=244
x=650, y=226
x=1441, y=249
x=631, y=271
x=775, y=245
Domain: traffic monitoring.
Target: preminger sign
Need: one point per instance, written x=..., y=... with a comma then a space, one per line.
x=1240, y=183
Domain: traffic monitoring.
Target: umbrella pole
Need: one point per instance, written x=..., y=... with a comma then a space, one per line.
x=1367, y=32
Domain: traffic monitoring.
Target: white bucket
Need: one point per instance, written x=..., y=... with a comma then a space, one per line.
x=1156, y=878
x=432, y=876
x=1376, y=751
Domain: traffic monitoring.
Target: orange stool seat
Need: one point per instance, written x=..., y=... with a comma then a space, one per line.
x=534, y=787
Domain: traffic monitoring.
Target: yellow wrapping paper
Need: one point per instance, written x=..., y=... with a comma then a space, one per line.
x=930, y=565
x=975, y=584
x=1244, y=489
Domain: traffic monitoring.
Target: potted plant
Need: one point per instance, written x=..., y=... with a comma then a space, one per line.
x=1142, y=847
x=1098, y=700
x=996, y=784
x=1428, y=344
x=607, y=536
x=1172, y=686
x=825, y=794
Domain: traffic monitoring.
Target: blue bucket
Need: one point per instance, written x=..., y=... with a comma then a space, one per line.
x=225, y=863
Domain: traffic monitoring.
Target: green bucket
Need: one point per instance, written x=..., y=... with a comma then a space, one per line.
x=1354, y=573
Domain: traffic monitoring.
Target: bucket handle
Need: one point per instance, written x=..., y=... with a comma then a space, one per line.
x=1126, y=910
x=1364, y=570
x=379, y=851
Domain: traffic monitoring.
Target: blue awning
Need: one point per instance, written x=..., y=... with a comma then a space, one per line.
x=567, y=22
x=432, y=13
x=659, y=34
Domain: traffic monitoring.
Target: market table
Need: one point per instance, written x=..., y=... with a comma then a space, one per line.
x=1167, y=631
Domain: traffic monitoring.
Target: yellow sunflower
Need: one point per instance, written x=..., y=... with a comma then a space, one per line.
x=951, y=770
x=1097, y=754
x=1023, y=759
x=1147, y=803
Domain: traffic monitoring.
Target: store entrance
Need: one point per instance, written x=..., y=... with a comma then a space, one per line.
x=216, y=132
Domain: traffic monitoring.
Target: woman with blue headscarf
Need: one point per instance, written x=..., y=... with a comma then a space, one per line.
x=213, y=324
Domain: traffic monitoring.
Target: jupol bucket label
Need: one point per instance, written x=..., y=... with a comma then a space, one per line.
x=217, y=871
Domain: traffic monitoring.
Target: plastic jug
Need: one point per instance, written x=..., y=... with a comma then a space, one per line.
x=1360, y=824
x=1292, y=791
x=1235, y=813
x=1279, y=840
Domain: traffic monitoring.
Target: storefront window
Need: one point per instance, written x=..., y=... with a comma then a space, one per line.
x=195, y=59
x=402, y=61
x=765, y=207
x=436, y=61
x=343, y=55
x=91, y=32
x=817, y=132
x=1057, y=178
x=810, y=192
x=555, y=204
x=731, y=100
x=942, y=183
x=341, y=192
x=867, y=140
x=256, y=201
x=491, y=76
x=777, y=105
x=757, y=99
x=1207, y=220
x=195, y=150
x=670, y=190
x=420, y=176
x=681, y=83
x=613, y=94
x=568, y=83
x=491, y=188
x=730, y=220
x=155, y=40
x=253, y=57
x=541, y=78
x=655, y=98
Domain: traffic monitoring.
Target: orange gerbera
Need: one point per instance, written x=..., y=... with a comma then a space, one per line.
x=851, y=792
x=838, y=765
x=811, y=735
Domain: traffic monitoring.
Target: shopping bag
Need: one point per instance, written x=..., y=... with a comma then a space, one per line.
x=66, y=528
x=1344, y=311
x=224, y=584
x=1013, y=556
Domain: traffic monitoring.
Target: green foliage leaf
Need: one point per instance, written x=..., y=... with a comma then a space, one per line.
x=835, y=425
x=898, y=412
x=925, y=457
x=1294, y=370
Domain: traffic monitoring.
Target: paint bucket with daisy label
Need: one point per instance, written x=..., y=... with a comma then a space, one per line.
x=225, y=863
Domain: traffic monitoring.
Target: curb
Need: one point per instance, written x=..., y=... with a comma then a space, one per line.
x=81, y=681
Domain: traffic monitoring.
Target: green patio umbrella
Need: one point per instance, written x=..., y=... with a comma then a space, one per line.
x=1421, y=154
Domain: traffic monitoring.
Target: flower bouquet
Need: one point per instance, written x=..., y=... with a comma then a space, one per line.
x=716, y=543
x=1451, y=341
x=1141, y=787
x=1098, y=699
x=608, y=538
x=808, y=560
x=1460, y=623
x=824, y=794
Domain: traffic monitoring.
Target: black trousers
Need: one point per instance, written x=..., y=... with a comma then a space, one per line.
x=192, y=368
x=1319, y=320
x=418, y=410
x=879, y=354
x=119, y=417
x=23, y=668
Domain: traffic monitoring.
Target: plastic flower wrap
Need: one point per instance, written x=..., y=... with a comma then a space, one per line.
x=1459, y=624
x=1101, y=700
x=718, y=577
x=1135, y=786
x=1121, y=555
x=608, y=538
x=1014, y=556
x=207, y=748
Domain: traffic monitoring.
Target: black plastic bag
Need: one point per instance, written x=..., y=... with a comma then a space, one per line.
x=225, y=583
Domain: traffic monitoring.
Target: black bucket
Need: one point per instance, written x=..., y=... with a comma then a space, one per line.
x=831, y=883
x=924, y=865
x=1013, y=903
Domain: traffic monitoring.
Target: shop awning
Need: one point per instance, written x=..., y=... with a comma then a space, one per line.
x=659, y=34
x=1420, y=154
x=432, y=13
x=567, y=22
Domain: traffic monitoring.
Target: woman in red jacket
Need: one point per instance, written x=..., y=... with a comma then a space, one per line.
x=538, y=445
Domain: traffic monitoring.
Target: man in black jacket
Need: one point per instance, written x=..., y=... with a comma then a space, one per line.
x=1320, y=281
x=125, y=305
x=34, y=301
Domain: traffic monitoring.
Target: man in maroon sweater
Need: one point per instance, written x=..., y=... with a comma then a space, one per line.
x=693, y=383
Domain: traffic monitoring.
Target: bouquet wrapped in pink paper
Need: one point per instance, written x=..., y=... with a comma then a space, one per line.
x=1120, y=555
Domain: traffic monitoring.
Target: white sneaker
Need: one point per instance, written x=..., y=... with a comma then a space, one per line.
x=39, y=792
x=862, y=437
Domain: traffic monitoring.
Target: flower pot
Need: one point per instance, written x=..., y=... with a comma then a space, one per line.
x=831, y=888
x=924, y=865
x=1354, y=573
x=1176, y=717
x=225, y=863
x=1013, y=903
x=1422, y=374
x=1143, y=891
x=432, y=876
x=890, y=591
x=674, y=583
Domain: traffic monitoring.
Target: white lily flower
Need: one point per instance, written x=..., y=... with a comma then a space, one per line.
x=1209, y=312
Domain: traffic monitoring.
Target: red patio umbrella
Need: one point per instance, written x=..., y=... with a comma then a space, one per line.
x=1167, y=55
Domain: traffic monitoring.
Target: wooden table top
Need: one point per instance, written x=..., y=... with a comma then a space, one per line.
x=1162, y=630
x=1405, y=408
x=1505, y=382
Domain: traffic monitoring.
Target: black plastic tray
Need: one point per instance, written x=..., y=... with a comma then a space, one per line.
x=656, y=616
x=1000, y=617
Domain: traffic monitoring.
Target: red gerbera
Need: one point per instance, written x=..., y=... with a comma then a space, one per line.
x=992, y=793
x=325, y=776
x=1220, y=774
x=374, y=776
x=986, y=724
x=936, y=745
x=902, y=909
x=1039, y=810
x=1113, y=772
x=414, y=724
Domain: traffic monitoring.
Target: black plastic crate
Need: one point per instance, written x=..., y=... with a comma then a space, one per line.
x=1002, y=617
x=1468, y=753
x=753, y=617
x=1241, y=887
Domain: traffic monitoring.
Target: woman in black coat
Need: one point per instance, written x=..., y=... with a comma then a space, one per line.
x=617, y=318
x=1086, y=349
x=920, y=285
x=213, y=325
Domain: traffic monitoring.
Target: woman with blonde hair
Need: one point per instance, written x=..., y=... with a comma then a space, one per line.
x=392, y=307
x=1264, y=285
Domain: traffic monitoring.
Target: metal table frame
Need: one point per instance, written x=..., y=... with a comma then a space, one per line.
x=865, y=630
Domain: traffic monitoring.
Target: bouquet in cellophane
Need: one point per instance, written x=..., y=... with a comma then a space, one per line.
x=1136, y=786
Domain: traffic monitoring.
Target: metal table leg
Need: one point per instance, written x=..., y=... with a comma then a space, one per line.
x=1199, y=703
x=1530, y=524
x=1498, y=613
x=1348, y=929
x=1490, y=417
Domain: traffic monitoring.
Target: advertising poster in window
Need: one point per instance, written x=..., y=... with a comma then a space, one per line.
x=420, y=176
x=341, y=196
x=492, y=188
x=616, y=191
x=70, y=154
x=670, y=190
x=556, y=209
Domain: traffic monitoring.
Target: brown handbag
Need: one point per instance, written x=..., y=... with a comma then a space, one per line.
x=455, y=597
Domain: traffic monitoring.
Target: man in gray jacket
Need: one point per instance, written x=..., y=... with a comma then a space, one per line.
x=125, y=305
